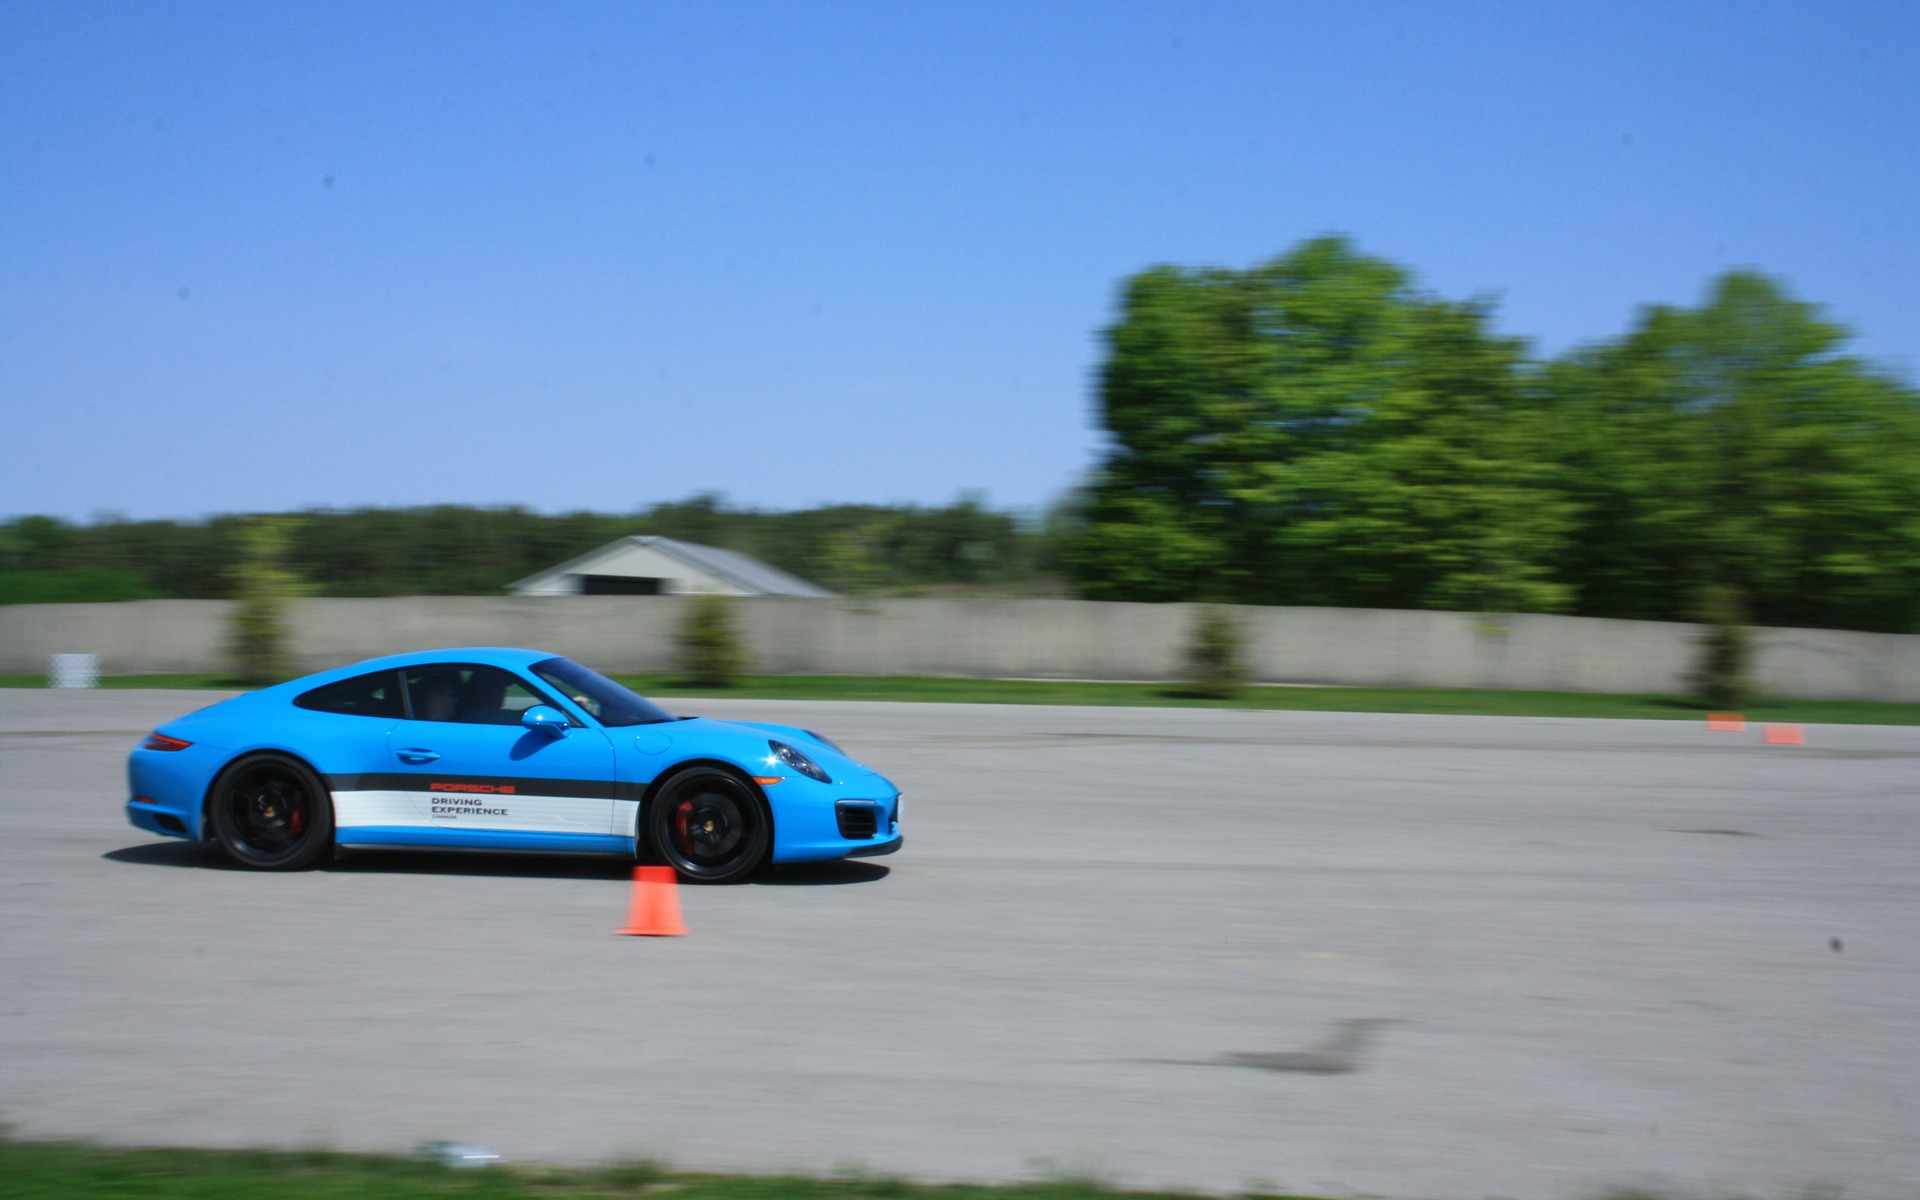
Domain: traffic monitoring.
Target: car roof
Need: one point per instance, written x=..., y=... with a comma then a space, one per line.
x=512, y=657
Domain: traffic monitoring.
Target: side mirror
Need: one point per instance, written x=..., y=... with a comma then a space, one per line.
x=547, y=719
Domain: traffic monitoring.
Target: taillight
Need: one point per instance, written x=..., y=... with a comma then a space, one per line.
x=160, y=741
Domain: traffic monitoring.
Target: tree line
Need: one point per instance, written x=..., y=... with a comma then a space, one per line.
x=1314, y=430
x=460, y=550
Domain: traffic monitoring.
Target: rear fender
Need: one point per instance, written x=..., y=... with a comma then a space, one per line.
x=205, y=832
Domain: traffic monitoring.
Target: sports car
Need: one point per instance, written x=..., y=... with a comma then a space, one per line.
x=493, y=748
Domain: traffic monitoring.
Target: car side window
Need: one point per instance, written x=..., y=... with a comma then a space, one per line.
x=469, y=694
x=375, y=695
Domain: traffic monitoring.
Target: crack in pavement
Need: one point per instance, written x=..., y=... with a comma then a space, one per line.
x=1339, y=1053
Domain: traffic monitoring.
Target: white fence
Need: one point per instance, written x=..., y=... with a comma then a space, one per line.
x=1049, y=639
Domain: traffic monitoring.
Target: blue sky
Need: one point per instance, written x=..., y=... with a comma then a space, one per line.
x=264, y=256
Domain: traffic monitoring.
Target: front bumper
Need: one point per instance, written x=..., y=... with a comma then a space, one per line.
x=875, y=851
x=820, y=822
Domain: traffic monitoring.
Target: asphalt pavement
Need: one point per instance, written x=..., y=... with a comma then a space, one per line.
x=1405, y=956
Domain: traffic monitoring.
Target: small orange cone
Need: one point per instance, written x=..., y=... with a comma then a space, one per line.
x=1784, y=735
x=655, y=908
x=1726, y=722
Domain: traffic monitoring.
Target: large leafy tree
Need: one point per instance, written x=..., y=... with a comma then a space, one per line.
x=1730, y=458
x=1315, y=431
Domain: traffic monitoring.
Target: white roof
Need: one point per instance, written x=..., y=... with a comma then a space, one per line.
x=742, y=570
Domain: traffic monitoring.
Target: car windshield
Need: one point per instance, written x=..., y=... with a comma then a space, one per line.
x=609, y=703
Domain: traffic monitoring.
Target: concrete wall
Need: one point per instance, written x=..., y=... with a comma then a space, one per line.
x=1046, y=639
x=139, y=637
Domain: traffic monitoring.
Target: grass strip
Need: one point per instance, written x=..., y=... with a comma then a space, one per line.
x=68, y=1169
x=930, y=689
x=1457, y=701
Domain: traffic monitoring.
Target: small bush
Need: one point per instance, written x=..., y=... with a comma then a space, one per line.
x=1723, y=677
x=1216, y=662
x=710, y=651
x=264, y=589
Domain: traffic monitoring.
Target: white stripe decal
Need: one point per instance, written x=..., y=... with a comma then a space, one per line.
x=375, y=808
x=436, y=810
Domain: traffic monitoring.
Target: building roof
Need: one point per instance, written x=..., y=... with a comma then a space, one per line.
x=742, y=570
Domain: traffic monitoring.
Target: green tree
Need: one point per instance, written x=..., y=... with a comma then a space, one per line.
x=1731, y=456
x=1315, y=431
x=34, y=543
x=855, y=558
x=74, y=585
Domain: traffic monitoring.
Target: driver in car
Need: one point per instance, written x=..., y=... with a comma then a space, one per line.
x=436, y=697
x=482, y=698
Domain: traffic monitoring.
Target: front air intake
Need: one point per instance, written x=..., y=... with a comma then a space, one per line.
x=856, y=820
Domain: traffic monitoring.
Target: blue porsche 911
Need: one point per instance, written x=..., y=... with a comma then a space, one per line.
x=501, y=749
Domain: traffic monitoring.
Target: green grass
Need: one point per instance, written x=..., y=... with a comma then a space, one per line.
x=912, y=689
x=1463, y=701
x=65, y=1169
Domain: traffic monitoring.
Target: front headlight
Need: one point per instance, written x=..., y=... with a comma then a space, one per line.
x=798, y=761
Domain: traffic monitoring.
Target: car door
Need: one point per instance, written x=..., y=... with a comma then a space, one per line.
x=479, y=778
x=343, y=732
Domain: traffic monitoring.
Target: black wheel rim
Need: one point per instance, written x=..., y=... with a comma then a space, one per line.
x=269, y=811
x=709, y=828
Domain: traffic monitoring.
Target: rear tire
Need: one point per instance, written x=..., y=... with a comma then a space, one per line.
x=710, y=825
x=271, y=813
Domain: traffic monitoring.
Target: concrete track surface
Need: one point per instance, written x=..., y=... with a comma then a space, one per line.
x=1391, y=955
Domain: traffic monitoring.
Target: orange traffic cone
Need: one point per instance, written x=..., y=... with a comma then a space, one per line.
x=1726, y=722
x=655, y=908
x=1784, y=735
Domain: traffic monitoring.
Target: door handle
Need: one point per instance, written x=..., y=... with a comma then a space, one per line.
x=417, y=756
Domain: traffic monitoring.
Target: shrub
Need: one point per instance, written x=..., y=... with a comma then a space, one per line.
x=1216, y=665
x=263, y=589
x=1723, y=677
x=710, y=651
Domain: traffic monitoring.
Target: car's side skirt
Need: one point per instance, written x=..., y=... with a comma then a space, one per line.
x=484, y=839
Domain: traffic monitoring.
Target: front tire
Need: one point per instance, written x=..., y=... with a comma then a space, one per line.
x=271, y=813
x=711, y=826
